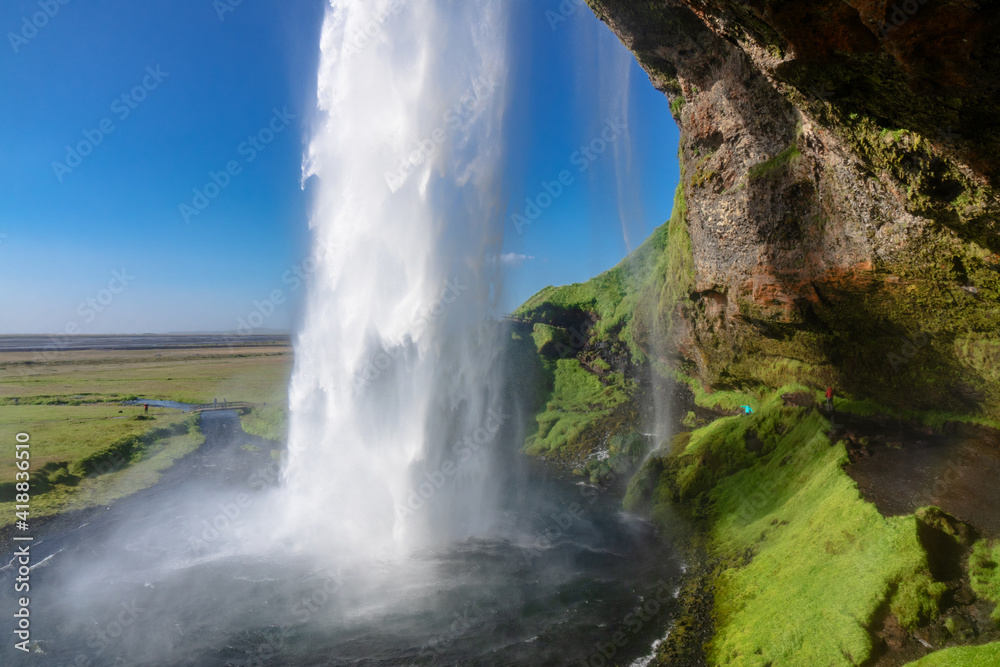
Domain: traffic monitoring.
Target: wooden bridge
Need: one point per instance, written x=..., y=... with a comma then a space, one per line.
x=231, y=405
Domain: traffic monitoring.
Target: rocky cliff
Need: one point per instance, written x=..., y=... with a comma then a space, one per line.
x=839, y=162
x=835, y=224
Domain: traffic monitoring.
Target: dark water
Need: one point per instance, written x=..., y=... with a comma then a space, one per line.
x=184, y=573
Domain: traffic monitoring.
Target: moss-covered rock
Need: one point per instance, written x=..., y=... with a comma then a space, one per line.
x=984, y=573
x=839, y=199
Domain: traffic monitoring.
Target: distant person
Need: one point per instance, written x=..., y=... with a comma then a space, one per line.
x=145, y=408
x=215, y=401
x=747, y=410
x=829, y=399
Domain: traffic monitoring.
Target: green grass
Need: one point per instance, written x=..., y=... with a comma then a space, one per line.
x=144, y=470
x=189, y=375
x=806, y=561
x=676, y=106
x=824, y=559
x=775, y=164
x=69, y=433
x=549, y=341
x=579, y=398
x=984, y=573
x=987, y=655
x=270, y=422
x=629, y=299
x=723, y=399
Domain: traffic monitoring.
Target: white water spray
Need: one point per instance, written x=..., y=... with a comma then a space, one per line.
x=395, y=393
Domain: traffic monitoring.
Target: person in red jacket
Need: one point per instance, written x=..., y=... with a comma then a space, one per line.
x=829, y=399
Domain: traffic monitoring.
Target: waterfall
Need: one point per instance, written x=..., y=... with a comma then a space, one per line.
x=395, y=398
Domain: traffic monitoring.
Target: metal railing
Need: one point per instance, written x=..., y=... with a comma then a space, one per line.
x=242, y=406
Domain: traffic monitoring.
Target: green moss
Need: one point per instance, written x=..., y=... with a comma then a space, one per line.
x=722, y=399
x=579, y=399
x=665, y=295
x=632, y=304
x=917, y=600
x=125, y=450
x=807, y=563
x=550, y=341
x=778, y=163
x=984, y=573
x=625, y=451
x=269, y=422
x=702, y=177
x=676, y=105
x=962, y=656
x=813, y=608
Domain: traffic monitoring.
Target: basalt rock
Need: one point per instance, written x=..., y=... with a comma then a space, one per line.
x=839, y=169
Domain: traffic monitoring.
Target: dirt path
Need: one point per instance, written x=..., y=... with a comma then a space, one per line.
x=900, y=468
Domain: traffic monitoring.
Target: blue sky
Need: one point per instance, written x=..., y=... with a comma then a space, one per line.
x=168, y=93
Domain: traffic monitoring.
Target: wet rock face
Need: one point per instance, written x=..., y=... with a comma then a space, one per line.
x=838, y=166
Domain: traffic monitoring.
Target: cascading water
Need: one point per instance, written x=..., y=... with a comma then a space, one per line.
x=395, y=396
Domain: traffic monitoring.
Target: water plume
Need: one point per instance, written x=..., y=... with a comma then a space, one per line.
x=395, y=396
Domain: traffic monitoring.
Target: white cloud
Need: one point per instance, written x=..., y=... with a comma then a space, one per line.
x=513, y=258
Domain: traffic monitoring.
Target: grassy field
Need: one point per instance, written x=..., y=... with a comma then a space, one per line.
x=88, y=448
x=65, y=433
x=190, y=375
